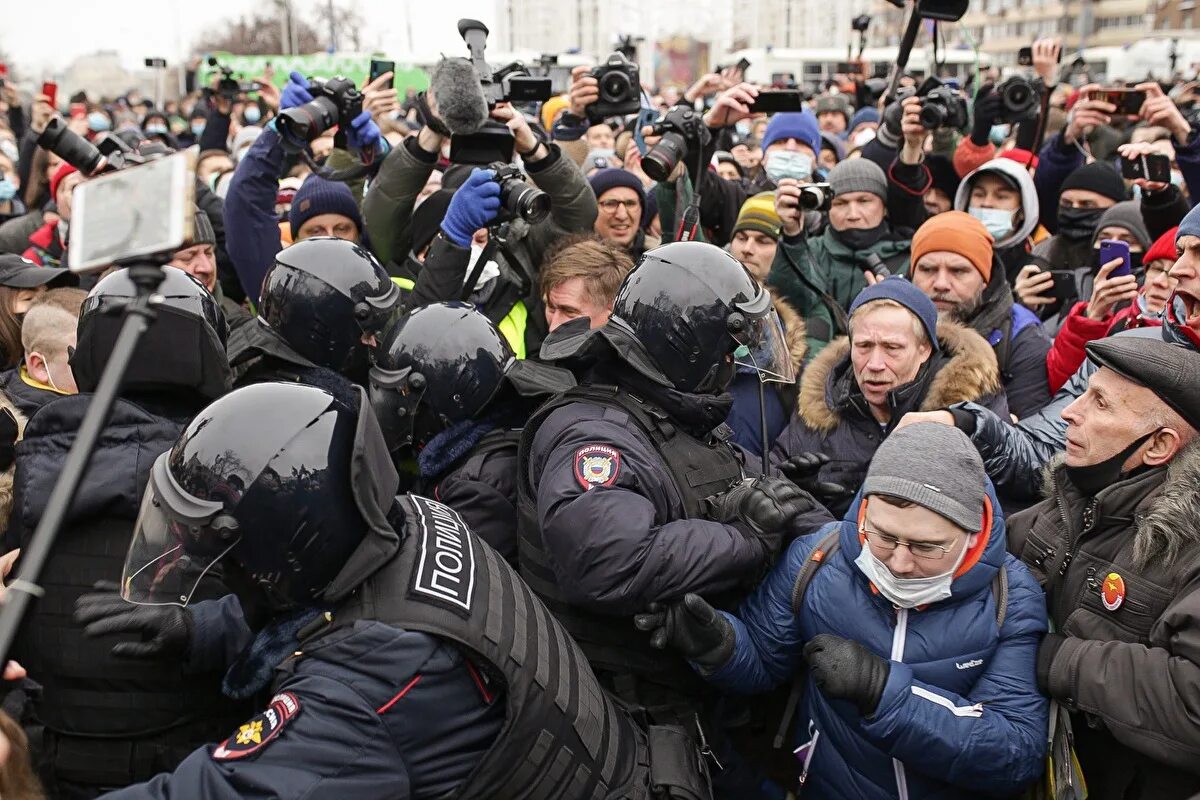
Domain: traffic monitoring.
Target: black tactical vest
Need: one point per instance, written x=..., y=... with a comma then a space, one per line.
x=563, y=737
x=622, y=657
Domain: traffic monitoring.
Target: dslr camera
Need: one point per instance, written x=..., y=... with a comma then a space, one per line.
x=816, y=197
x=336, y=101
x=509, y=84
x=941, y=106
x=518, y=198
x=683, y=132
x=1019, y=98
x=108, y=154
x=620, y=89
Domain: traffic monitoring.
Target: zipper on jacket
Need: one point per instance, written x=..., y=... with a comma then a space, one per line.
x=898, y=637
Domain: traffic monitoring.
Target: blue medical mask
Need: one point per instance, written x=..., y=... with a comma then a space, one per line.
x=999, y=133
x=252, y=115
x=8, y=189
x=999, y=223
x=156, y=130
x=789, y=164
x=197, y=128
x=98, y=122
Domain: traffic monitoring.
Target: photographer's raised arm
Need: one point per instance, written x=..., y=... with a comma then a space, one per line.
x=908, y=177
x=1160, y=110
x=393, y=193
x=251, y=226
x=1063, y=153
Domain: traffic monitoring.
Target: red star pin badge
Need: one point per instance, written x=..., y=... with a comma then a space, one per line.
x=1112, y=593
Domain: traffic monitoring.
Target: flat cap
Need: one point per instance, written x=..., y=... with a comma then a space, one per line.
x=1171, y=371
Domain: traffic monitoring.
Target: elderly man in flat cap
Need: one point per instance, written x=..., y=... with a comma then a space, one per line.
x=1117, y=548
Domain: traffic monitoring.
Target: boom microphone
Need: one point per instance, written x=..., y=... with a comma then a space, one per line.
x=459, y=96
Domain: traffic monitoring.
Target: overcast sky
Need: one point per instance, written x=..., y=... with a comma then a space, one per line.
x=44, y=37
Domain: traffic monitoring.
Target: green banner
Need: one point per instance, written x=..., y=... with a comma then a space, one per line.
x=320, y=65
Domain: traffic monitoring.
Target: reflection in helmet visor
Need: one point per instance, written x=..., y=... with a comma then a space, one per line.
x=763, y=348
x=167, y=559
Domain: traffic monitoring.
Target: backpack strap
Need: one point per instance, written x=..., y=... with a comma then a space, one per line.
x=1000, y=593
x=827, y=547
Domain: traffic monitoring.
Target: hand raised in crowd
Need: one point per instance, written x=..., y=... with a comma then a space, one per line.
x=363, y=133
x=1161, y=110
x=1087, y=115
x=379, y=98
x=707, y=86
x=690, y=626
x=472, y=207
x=1132, y=152
x=295, y=92
x=268, y=92
x=1033, y=287
x=984, y=113
x=584, y=91
x=731, y=106
x=1046, y=54
x=915, y=134
x=787, y=206
x=525, y=141
x=1108, y=291
x=41, y=113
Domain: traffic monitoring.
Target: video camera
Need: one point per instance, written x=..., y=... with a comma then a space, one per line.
x=230, y=87
x=620, y=89
x=509, y=84
x=336, y=101
x=941, y=106
x=683, y=132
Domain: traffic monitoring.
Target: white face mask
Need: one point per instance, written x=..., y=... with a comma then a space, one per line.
x=906, y=592
x=491, y=270
x=999, y=223
x=864, y=137
x=789, y=164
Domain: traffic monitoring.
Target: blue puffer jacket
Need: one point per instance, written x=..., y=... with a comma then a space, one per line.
x=960, y=716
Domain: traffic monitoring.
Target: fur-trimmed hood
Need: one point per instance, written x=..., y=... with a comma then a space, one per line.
x=966, y=371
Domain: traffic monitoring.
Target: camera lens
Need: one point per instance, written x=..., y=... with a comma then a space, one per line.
x=520, y=199
x=304, y=123
x=615, y=87
x=813, y=198
x=662, y=159
x=1018, y=97
x=932, y=114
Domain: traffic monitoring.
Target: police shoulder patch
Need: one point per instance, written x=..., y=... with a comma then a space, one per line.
x=597, y=465
x=260, y=730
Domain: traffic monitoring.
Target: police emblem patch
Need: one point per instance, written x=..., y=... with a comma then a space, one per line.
x=257, y=733
x=597, y=465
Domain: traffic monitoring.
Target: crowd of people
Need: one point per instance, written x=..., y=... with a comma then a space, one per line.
x=855, y=457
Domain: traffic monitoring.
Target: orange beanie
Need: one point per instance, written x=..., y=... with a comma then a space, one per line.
x=955, y=232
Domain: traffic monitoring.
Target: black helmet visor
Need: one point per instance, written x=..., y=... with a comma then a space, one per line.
x=762, y=345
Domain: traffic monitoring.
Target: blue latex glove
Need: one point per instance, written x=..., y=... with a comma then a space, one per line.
x=472, y=207
x=363, y=132
x=295, y=92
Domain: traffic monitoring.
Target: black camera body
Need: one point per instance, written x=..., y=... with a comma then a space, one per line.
x=336, y=101
x=107, y=154
x=229, y=87
x=816, y=197
x=683, y=131
x=941, y=106
x=620, y=89
x=519, y=198
x=509, y=84
x=1020, y=99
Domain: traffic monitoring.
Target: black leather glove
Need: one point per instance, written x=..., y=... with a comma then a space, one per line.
x=845, y=670
x=762, y=508
x=166, y=630
x=692, y=627
x=802, y=469
x=987, y=109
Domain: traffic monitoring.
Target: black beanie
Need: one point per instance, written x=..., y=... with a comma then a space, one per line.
x=945, y=177
x=1097, y=177
x=427, y=218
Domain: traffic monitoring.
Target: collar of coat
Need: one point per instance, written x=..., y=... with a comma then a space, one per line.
x=1167, y=516
x=968, y=373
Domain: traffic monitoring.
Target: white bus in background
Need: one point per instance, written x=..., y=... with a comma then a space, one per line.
x=1144, y=58
x=811, y=68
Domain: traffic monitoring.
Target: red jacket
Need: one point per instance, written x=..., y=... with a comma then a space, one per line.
x=46, y=249
x=1067, y=353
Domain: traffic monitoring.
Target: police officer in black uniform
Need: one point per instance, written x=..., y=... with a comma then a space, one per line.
x=323, y=304
x=629, y=492
x=414, y=662
x=110, y=721
x=449, y=392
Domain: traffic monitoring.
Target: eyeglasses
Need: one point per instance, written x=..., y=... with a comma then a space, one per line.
x=610, y=206
x=923, y=550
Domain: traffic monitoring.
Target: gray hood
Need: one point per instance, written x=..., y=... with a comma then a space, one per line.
x=1029, y=198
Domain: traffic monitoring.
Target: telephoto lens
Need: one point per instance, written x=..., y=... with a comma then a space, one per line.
x=662, y=159
x=302, y=124
x=70, y=147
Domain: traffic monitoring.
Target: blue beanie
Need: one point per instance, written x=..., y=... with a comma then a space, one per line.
x=901, y=291
x=318, y=196
x=800, y=125
x=612, y=177
x=863, y=115
x=1190, y=225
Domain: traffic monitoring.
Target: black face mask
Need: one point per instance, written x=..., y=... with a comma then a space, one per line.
x=861, y=238
x=1092, y=479
x=1078, y=223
